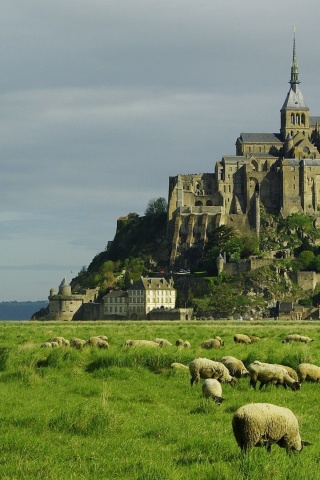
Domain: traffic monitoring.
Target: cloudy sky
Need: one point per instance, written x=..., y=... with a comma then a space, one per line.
x=102, y=100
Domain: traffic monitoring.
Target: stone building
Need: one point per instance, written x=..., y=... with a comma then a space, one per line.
x=140, y=299
x=66, y=305
x=278, y=172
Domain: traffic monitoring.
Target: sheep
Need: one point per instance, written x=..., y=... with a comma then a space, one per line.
x=236, y=367
x=297, y=338
x=262, y=424
x=241, y=338
x=63, y=342
x=103, y=337
x=77, y=343
x=46, y=345
x=163, y=342
x=186, y=344
x=254, y=338
x=211, y=388
x=308, y=372
x=179, y=342
x=290, y=371
x=141, y=343
x=205, y=368
x=55, y=345
x=267, y=373
x=215, y=342
x=179, y=366
x=97, y=342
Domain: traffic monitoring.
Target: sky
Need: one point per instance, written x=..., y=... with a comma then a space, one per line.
x=101, y=101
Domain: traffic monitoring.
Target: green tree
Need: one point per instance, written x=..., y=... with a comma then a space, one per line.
x=156, y=206
x=306, y=259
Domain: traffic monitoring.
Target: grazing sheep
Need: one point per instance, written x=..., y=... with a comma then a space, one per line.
x=236, y=367
x=297, y=338
x=211, y=388
x=46, y=345
x=290, y=371
x=267, y=373
x=241, y=338
x=55, y=345
x=186, y=344
x=254, y=338
x=179, y=342
x=97, y=342
x=77, y=343
x=179, y=366
x=103, y=337
x=141, y=343
x=163, y=342
x=308, y=372
x=262, y=424
x=205, y=368
x=216, y=342
x=63, y=342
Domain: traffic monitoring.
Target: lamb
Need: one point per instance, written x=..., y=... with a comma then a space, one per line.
x=267, y=373
x=262, y=424
x=205, y=368
x=308, y=372
x=236, y=367
x=63, y=342
x=215, y=342
x=179, y=366
x=141, y=343
x=97, y=342
x=297, y=338
x=241, y=338
x=77, y=343
x=211, y=388
x=163, y=342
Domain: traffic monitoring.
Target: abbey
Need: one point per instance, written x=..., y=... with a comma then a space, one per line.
x=278, y=172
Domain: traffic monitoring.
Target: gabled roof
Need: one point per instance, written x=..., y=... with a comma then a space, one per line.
x=152, y=283
x=260, y=138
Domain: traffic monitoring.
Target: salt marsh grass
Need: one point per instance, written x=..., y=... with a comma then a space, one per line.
x=123, y=413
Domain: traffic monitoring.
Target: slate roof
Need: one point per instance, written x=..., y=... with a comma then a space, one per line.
x=260, y=138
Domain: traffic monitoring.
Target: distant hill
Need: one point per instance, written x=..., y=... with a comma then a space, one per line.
x=20, y=310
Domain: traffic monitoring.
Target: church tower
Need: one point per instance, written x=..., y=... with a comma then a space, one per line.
x=294, y=112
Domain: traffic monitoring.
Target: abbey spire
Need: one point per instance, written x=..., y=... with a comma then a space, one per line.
x=294, y=112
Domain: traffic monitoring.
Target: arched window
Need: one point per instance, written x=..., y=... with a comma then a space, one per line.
x=198, y=203
x=303, y=119
x=292, y=118
x=298, y=118
x=209, y=203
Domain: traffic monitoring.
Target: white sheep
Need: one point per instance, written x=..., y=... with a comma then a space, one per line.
x=186, y=344
x=46, y=345
x=267, y=373
x=211, y=388
x=235, y=366
x=262, y=424
x=308, y=372
x=77, y=343
x=215, y=342
x=63, y=342
x=97, y=342
x=205, y=368
x=297, y=338
x=241, y=338
x=141, y=343
x=179, y=342
x=290, y=371
x=163, y=342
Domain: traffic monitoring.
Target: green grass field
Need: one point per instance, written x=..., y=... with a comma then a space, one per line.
x=123, y=413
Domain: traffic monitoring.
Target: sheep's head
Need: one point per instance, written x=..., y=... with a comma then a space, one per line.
x=295, y=386
x=233, y=381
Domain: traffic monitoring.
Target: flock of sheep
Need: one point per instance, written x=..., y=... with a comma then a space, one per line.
x=255, y=424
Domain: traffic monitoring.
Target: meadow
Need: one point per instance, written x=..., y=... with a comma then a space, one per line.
x=123, y=413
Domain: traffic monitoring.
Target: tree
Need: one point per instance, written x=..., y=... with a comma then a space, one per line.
x=219, y=236
x=156, y=206
x=306, y=259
